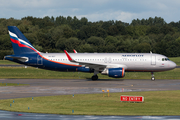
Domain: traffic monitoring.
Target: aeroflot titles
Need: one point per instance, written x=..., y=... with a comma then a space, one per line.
x=132, y=55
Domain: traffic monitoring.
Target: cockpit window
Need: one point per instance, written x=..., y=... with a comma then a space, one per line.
x=165, y=59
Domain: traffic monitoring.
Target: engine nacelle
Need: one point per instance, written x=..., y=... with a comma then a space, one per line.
x=114, y=72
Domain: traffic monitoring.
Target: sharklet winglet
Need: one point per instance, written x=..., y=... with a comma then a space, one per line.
x=69, y=57
x=74, y=51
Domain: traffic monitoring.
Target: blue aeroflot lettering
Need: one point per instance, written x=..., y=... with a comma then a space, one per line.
x=132, y=55
x=105, y=63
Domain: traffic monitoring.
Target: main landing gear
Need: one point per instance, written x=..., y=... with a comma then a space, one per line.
x=95, y=77
x=152, y=76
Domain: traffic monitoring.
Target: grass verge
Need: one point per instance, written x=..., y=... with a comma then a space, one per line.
x=156, y=103
x=34, y=73
x=11, y=84
x=7, y=62
x=176, y=60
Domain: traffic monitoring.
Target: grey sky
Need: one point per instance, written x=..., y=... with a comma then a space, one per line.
x=93, y=10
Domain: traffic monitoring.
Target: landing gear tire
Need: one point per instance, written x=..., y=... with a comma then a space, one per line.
x=153, y=78
x=94, y=77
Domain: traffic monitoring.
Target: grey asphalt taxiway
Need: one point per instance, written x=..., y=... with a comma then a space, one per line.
x=50, y=87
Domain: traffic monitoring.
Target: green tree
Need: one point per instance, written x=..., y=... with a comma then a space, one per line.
x=142, y=48
x=113, y=30
x=96, y=41
x=111, y=40
x=87, y=48
x=61, y=44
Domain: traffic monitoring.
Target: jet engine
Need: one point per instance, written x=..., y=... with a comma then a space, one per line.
x=114, y=72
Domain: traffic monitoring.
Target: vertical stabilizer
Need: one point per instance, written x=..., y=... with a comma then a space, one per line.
x=20, y=43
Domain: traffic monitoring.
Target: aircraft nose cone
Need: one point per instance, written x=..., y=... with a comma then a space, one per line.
x=173, y=65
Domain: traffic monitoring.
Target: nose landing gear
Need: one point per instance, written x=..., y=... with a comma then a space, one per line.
x=152, y=76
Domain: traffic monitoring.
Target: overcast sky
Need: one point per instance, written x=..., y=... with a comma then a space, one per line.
x=93, y=10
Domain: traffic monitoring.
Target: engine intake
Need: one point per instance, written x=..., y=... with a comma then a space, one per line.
x=114, y=72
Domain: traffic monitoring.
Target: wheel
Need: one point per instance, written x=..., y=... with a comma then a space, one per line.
x=94, y=77
x=153, y=78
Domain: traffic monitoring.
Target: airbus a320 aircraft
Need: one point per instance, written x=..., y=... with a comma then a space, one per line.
x=112, y=64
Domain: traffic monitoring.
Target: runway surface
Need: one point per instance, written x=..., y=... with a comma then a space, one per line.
x=50, y=87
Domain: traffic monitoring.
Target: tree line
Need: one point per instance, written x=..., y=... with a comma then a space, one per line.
x=51, y=34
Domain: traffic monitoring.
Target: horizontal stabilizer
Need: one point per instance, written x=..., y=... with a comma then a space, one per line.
x=22, y=59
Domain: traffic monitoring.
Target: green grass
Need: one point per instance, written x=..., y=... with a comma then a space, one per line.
x=156, y=103
x=11, y=84
x=34, y=73
x=6, y=62
x=176, y=60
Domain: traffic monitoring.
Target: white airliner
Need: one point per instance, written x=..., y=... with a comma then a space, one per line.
x=112, y=64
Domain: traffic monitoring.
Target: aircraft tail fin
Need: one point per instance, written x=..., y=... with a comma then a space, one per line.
x=20, y=43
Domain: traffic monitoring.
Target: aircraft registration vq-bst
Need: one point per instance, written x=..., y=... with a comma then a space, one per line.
x=112, y=64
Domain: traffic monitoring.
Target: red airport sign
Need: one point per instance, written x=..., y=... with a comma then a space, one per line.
x=125, y=98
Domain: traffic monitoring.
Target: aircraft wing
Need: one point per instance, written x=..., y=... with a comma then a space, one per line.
x=96, y=66
x=86, y=64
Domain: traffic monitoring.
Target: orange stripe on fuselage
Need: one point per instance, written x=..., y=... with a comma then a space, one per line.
x=59, y=62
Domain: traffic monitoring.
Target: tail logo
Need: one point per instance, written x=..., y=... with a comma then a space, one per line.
x=21, y=43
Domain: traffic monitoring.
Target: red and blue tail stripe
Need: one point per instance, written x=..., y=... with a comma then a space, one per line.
x=22, y=46
x=20, y=43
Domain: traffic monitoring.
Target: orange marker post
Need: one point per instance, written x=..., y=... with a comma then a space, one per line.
x=108, y=92
x=103, y=92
